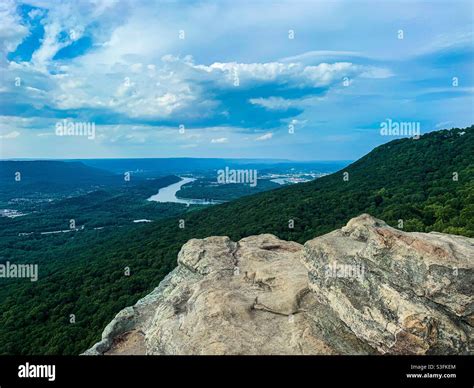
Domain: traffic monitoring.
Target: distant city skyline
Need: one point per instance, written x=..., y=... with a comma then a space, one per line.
x=296, y=80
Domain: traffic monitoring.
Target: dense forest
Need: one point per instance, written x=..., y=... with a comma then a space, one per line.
x=104, y=206
x=428, y=183
x=207, y=188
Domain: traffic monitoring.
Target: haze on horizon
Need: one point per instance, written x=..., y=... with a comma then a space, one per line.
x=291, y=80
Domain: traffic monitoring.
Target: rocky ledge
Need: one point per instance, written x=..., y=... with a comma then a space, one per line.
x=364, y=289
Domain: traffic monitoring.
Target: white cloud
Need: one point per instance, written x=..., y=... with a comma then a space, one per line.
x=11, y=135
x=172, y=87
x=298, y=122
x=66, y=22
x=293, y=74
x=124, y=73
x=12, y=31
x=320, y=56
x=219, y=140
x=458, y=38
x=376, y=72
x=272, y=103
x=138, y=41
x=265, y=137
x=123, y=89
x=9, y=122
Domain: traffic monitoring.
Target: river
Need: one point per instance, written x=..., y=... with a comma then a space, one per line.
x=168, y=194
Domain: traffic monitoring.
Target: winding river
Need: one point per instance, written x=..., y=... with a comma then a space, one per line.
x=168, y=194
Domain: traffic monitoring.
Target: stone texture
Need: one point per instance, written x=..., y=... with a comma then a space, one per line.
x=416, y=292
x=364, y=289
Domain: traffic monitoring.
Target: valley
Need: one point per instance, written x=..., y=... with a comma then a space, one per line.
x=82, y=273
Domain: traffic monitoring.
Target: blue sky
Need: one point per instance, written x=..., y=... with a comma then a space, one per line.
x=303, y=80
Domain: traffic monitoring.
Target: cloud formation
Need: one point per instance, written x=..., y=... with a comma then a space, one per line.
x=140, y=71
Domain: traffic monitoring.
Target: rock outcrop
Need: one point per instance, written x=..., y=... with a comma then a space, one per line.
x=364, y=289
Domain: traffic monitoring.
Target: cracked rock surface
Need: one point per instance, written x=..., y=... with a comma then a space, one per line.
x=364, y=289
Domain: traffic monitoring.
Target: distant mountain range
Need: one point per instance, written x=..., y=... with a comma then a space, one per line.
x=52, y=171
x=196, y=165
x=83, y=171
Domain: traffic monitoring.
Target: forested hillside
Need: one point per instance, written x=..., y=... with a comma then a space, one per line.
x=426, y=183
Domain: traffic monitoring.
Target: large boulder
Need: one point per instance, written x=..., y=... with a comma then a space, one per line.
x=364, y=289
x=402, y=293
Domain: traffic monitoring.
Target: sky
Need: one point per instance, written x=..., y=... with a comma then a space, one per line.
x=301, y=80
